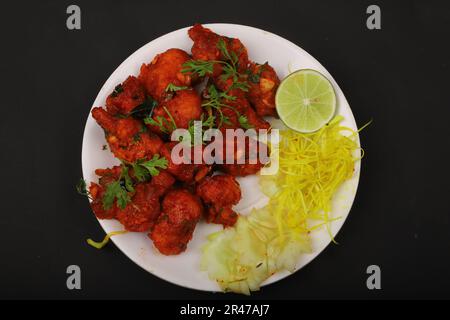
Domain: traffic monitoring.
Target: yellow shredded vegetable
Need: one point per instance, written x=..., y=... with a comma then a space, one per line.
x=100, y=245
x=311, y=168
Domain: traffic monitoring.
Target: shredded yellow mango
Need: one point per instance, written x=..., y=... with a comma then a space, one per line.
x=311, y=168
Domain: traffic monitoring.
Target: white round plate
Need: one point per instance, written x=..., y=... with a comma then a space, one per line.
x=184, y=269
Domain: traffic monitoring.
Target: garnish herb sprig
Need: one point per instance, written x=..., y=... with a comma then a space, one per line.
x=81, y=189
x=256, y=77
x=122, y=189
x=144, y=169
x=162, y=123
x=215, y=101
x=124, y=186
x=230, y=67
x=119, y=190
x=173, y=88
x=206, y=124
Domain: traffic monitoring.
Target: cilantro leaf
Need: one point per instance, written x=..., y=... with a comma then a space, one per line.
x=244, y=86
x=140, y=172
x=119, y=190
x=127, y=179
x=81, y=188
x=172, y=88
x=222, y=46
x=145, y=109
x=256, y=77
x=162, y=123
x=208, y=123
x=243, y=121
x=200, y=67
x=155, y=163
x=114, y=190
x=226, y=120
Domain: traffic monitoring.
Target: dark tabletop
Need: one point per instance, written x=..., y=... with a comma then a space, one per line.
x=396, y=76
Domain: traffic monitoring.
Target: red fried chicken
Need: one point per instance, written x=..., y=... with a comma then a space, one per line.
x=97, y=192
x=220, y=193
x=181, y=211
x=127, y=137
x=162, y=182
x=181, y=108
x=141, y=213
x=126, y=97
x=206, y=47
x=165, y=69
x=247, y=155
x=241, y=115
x=264, y=82
x=183, y=172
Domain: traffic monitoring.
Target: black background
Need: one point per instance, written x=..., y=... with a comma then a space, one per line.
x=396, y=76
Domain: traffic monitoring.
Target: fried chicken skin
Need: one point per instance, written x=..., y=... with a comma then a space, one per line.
x=247, y=160
x=162, y=182
x=206, y=48
x=181, y=108
x=220, y=193
x=241, y=115
x=236, y=106
x=264, y=82
x=242, y=170
x=181, y=211
x=141, y=213
x=126, y=137
x=126, y=97
x=183, y=172
x=97, y=191
x=165, y=69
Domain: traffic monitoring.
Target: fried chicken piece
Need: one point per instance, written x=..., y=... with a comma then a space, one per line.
x=97, y=192
x=239, y=115
x=236, y=106
x=141, y=213
x=242, y=115
x=186, y=172
x=206, y=48
x=242, y=170
x=181, y=211
x=183, y=172
x=247, y=156
x=182, y=107
x=220, y=190
x=126, y=137
x=162, y=182
x=126, y=97
x=220, y=193
x=225, y=216
x=264, y=82
x=165, y=69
